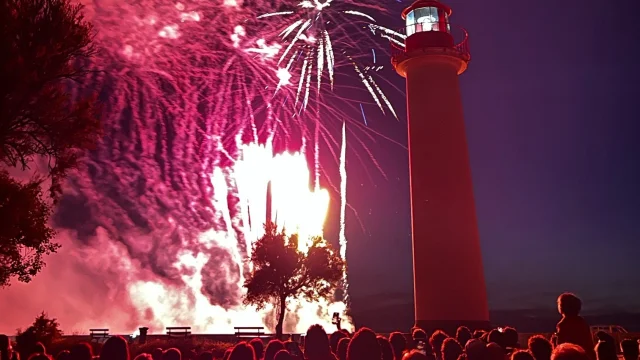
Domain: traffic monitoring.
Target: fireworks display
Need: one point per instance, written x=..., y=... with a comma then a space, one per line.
x=207, y=104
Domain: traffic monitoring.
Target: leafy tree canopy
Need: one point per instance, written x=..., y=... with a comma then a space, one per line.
x=44, y=45
x=25, y=236
x=282, y=272
x=44, y=330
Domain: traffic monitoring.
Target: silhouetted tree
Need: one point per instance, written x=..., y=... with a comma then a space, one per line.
x=282, y=272
x=25, y=236
x=43, y=330
x=44, y=46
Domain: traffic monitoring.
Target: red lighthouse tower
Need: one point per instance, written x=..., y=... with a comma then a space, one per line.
x=448, y=276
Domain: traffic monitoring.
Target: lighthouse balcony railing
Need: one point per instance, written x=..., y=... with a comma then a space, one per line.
x=459, y=48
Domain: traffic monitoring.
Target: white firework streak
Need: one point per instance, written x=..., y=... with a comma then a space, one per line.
x=343, y=193
x=307, y=86
x=358, y=13
x=305, y=25
x=290, y=29
x=387, y=31
x=330, y=58
x=383, y=96
x=302, y=77
x=274, y=14
x=320, y=62
x=395, y=41
x=366, y=83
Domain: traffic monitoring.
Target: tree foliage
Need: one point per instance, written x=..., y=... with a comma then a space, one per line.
x=43, y=330
x=43, y=46
x=24, y=234
x=281, y=272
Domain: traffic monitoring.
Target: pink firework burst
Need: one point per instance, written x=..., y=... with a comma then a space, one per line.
x=190, y=88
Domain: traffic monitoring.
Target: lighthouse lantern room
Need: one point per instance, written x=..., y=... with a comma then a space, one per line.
x=427, y=15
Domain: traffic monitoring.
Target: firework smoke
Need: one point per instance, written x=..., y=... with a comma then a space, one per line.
x=202, y=100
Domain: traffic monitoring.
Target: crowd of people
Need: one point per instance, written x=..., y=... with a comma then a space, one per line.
x=572, y=340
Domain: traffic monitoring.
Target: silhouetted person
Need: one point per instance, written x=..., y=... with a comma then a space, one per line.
x=603, y=336
x=272, y=349
x=476, y=349
x=227, y=353
x=294, y=349
x=414, y=355
x=419, y=336
x=521, y=355
x=540, y=347
x=5, y=347
x=242, y=351
x=510, y=339
x=478, y=334
x=63, y=355
x=386, y=351
x=283, y=355
x=364, y=346
x=463, y=334
x=343, y=345
x=39, y=348
x=398, y=344
x=258, y=347
x=81, y=351
x=495, y=352
x=450, y=349
x=115, y=348
x=496, y=336
x=334, y=339
x=436, y=340
x=39, y=356
x=156, y=354
x=171, y=354
x=606, y=350
x=630, y=349
x=569, y=351
x=572, y=328
x=205, y=355
x=144, y=356
x=316, y=344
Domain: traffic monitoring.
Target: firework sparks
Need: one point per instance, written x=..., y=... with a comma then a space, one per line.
x=310, y=23
x=173, y=189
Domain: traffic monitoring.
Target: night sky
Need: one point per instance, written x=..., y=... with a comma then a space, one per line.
x=551, y=107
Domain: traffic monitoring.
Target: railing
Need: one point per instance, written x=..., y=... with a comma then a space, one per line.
x=459, y=34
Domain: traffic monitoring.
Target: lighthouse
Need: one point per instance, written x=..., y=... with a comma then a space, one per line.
x=448, y=276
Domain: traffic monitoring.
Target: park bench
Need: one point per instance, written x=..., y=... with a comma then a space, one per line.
x=98, y=333
x=250, y=331
x=179, y=330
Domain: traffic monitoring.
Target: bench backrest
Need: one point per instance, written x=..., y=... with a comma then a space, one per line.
x=99, y=332
x=179, y=330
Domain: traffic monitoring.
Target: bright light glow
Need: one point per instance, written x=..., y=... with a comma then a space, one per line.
x=284, y=75
x=294, y=206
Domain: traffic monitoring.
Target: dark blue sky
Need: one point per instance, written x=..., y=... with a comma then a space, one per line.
x=551, y=106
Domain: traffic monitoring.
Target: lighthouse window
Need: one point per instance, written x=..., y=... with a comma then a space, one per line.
x=422, y=19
